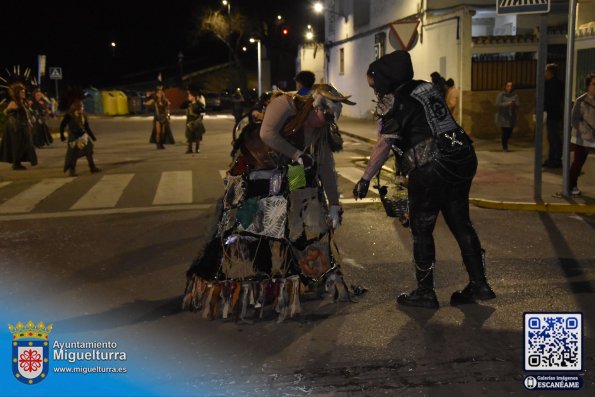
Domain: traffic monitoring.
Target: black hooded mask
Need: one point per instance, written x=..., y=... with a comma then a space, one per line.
x=391, y=71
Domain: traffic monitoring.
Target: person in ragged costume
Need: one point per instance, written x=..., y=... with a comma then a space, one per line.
x=438, y=158
x=281, y=204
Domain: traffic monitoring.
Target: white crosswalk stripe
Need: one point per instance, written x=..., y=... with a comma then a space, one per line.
x=28, y=199
x=352, y=174
x=105, y=193
x=175, y=187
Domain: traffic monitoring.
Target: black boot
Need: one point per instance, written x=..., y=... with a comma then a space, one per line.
x=478, y=287
x=424, y=295
x=197, y=150
x=189, y=150
x=92, y=167
x=72, y=172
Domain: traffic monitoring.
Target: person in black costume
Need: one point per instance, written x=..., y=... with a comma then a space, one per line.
x=440, y=162
x=79, y=139
x=41, y=111
x=161, y=133
x=17, y=144
x=195, y=111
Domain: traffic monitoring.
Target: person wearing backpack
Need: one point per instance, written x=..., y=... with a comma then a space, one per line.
x=438, y=158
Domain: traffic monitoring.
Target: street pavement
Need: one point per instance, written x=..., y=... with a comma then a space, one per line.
x=114, y=270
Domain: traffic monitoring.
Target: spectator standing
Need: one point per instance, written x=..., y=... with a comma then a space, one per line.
x=452, y=97
x=507, y=104
x=237, y=105
x=583, y=132
x=552, y=105
x=439, y=83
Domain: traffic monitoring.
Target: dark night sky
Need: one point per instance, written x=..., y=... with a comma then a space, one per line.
x=76, y=35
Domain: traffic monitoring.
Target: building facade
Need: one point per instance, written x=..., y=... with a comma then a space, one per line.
x=463, y=40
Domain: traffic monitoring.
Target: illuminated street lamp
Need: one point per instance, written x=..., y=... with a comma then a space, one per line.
x=257, y=41
x=113, y=48
x=309, y=35
x=319, y=9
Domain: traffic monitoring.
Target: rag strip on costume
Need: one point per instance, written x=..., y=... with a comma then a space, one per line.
x=266, y=246
x=271, y=246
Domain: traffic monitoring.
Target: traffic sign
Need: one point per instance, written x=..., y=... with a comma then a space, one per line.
x=405, y=31
x=56, y=73
x=506, y=7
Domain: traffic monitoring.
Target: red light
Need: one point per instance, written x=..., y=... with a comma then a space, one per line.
x=285, y=31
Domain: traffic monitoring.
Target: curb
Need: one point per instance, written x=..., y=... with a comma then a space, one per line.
x=528, y=206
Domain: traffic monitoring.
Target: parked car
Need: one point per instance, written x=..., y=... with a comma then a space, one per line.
x=213, y=100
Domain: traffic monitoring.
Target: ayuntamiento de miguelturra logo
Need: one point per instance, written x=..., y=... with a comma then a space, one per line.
x=30, y=351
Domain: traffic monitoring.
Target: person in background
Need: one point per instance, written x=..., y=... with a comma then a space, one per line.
x=41, y=111
x=507, y=104
x=583, y=132
x=439, y=83
x=237, y=105
x=304, y=81
x=552, y=105
x=195, y=111
x=79, y=139
x=161, y=133
x=452, y=97
x=17, y=146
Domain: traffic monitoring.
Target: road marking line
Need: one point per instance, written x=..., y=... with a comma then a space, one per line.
x=105, y=193
x=352, y=263
x=105, y=211
x=2, y=184
x=28, y=199
x=350, y=173
x=175, y=187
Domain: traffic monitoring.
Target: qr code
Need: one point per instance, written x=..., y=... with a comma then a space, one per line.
x=553, y=341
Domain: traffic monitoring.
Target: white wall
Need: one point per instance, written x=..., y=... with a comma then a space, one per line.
x=311, y=57
x=439, y=41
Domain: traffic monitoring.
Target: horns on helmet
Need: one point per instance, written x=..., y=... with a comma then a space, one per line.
x=330, y=92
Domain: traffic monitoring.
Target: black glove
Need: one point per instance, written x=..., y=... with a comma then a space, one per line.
x=361, y=189
x=94, y=139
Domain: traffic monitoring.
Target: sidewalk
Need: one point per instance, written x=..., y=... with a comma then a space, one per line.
x=505, y=180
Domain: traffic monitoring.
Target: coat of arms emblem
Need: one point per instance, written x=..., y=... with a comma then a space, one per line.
x=30, y=351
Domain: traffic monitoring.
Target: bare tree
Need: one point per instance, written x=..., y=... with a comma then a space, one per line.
x=230, y=30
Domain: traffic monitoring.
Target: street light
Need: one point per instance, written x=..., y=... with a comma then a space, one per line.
x=319, y=9
x=113, y=48
x=257, y=41
x=309, y=33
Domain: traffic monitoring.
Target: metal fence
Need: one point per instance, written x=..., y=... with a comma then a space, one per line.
x=487, y=75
